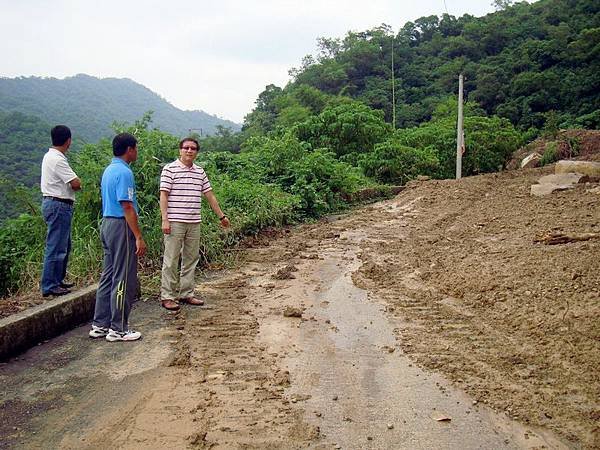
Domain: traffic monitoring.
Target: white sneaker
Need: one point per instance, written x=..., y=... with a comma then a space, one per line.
x=128, y=335
x=98, y=332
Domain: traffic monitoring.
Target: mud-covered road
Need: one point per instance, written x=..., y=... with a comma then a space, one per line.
x=431, y=320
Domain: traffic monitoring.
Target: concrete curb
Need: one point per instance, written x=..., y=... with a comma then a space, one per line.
x=34, y=325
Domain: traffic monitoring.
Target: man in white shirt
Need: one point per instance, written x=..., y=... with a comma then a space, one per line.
x=58, y=185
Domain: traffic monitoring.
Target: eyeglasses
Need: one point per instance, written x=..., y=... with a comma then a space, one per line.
x=189, y=148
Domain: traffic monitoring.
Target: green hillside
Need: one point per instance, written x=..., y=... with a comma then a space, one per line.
x=23, y=141
x=89, y=105
x=519, y=63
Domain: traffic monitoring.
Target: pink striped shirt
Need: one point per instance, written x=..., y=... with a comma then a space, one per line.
x=185, y=186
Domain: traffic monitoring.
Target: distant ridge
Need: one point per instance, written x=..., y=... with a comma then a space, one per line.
x=89, y=105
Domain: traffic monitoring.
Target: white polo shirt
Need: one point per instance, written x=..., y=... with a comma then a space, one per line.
x=56, y=175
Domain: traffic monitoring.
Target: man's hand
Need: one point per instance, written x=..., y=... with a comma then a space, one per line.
x=225, y=222
x=140, y=247
x=132, y=222
x=166, y=227
x=75, y=184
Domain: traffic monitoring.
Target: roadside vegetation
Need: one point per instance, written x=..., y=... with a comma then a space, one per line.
x=295, y=173
x=307, y=149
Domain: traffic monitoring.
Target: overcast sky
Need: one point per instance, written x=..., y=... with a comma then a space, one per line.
x=211, y=55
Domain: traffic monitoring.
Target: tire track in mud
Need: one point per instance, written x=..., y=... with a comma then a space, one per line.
x=240, y=388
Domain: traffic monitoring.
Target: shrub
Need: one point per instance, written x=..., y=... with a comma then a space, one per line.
x=316, y=177
x=346, y=128
x=489, y=142
x=550, y=153
x=21, y=251
x=394, y=163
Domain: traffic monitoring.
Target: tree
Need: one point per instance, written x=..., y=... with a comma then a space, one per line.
x=501, y=5
x=262, y=118
x=512, y=60
x=350, y=127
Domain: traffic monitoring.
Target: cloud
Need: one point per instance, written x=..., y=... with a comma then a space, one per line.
x=214, y=56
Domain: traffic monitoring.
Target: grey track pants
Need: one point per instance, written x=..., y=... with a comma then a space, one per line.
x=118, y=283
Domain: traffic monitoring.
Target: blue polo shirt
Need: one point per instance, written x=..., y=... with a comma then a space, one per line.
x=117, y=186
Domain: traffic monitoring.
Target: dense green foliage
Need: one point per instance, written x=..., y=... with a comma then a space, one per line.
x=315, y=177
x=394, y=163
x=257, y=188
x=345, y=129
x=519, y=63
x=89, y=105
x=23, y=141
x=489, y=144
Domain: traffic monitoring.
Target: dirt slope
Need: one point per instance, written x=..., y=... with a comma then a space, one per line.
x=515, y=323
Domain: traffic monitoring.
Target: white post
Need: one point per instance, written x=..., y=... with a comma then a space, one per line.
x=393, y=90
x=459, y=129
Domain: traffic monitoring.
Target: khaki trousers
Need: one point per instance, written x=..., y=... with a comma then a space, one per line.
x=182, y=244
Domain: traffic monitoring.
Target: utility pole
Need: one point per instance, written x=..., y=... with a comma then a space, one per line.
x=460, y=137
x=393, y=90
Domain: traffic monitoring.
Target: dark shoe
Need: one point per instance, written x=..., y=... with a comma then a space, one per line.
x=56, y=292
x=171, y=305
x=193, y=301
x=66, y=285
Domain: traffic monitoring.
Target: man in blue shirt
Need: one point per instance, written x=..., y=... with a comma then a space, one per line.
x=122, y=243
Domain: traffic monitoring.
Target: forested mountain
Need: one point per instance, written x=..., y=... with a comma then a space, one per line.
x=23, y=141
x=519, y=63
x=89, y=105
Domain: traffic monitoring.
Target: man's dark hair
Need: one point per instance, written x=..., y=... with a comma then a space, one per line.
x=60, y=134
x=121, y=142
x=189, y=139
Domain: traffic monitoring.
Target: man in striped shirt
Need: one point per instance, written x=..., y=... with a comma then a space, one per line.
x=182, y=185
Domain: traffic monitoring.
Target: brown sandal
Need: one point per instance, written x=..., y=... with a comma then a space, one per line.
x=171, y=305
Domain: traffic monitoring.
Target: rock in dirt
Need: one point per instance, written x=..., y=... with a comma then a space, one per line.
x=532, y=160
x=198, y=438
x=286, y=273
x=557, y=182
x=553, y=238
x=563, y=178
x=595, y=190
x=540, y=190
x=589, y=168
x=292, y=312
x=442, y=418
